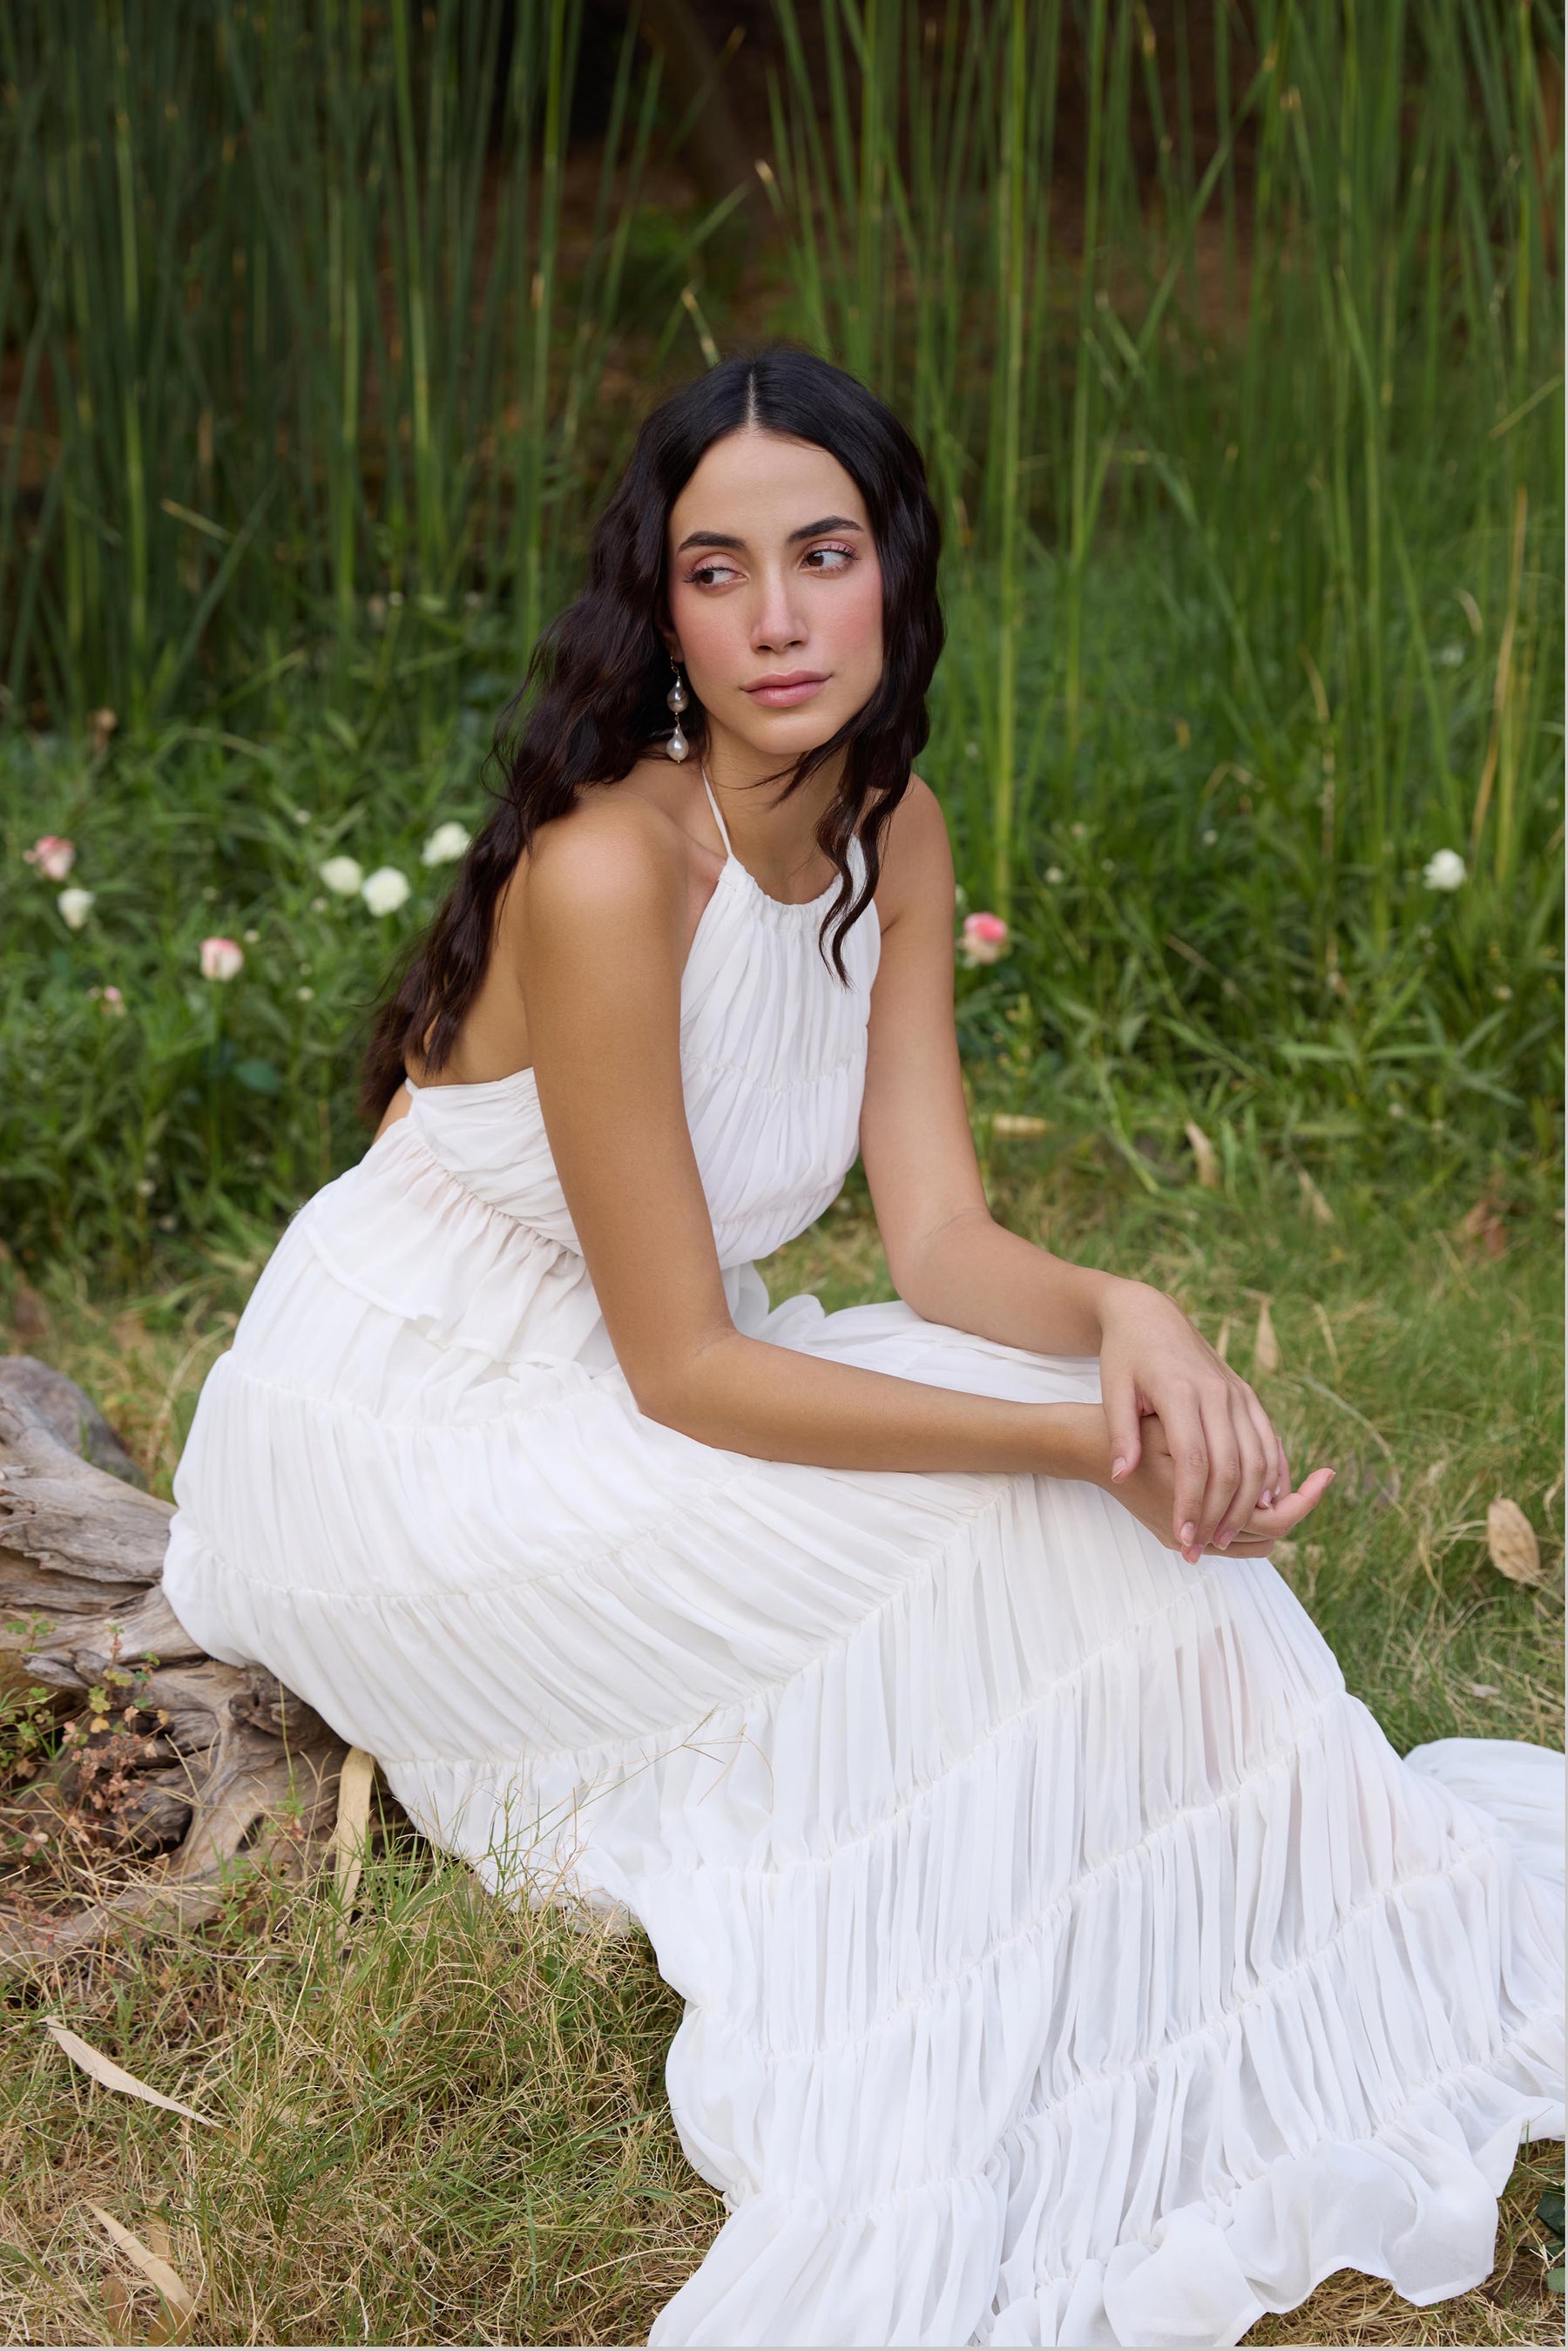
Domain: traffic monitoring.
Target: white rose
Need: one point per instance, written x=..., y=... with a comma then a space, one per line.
x=343, y=874
x=447, y=842
x=75, y=906
x=1444, y=870
x=385, y=890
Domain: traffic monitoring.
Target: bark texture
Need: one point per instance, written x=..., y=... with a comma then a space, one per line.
x=216, y=1762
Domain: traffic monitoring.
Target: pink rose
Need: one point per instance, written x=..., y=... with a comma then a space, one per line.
x=53, y=857
x=221, y=958
x=984, y=939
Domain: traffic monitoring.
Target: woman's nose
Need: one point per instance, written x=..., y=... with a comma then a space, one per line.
x=777, y=622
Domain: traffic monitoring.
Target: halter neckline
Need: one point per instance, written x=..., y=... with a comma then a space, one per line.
x=784, y=905
x=723, y=828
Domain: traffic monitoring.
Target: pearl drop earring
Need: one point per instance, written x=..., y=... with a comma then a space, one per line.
x=677, y=698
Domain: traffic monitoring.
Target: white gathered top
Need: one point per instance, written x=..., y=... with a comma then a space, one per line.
x=1068, y=1956
x=773, y=1105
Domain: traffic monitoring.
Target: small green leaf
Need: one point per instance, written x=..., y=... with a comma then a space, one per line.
x=1555, y=2281
x=1550, y=2210
x=259, y=1076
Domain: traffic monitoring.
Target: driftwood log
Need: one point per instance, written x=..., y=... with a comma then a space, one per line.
x=214, y=1762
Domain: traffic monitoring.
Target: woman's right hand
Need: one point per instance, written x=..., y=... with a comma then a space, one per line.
x=1149, y=1492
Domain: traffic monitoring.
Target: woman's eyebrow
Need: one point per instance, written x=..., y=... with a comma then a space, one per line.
x=828, y=522
x=806, y=531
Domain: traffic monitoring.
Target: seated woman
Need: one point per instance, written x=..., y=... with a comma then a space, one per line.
x=1068, y=1956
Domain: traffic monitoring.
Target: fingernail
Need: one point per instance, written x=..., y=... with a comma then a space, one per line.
x=1188, y=1532
x=1266, y=1497
x=1119, y=1465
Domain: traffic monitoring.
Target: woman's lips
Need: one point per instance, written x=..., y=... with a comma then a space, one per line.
x=792, y=686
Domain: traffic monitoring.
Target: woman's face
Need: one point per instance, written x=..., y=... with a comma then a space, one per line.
x=774, y=593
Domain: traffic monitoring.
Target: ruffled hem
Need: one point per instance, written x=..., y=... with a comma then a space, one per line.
x=1414, y=2202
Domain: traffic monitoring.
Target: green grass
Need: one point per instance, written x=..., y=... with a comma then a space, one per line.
x=456, y=2132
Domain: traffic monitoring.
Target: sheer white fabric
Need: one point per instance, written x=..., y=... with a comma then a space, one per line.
x=1068, y=1957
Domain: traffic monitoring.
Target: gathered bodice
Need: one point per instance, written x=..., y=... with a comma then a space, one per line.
x=773, y=1048
x=773, y=1066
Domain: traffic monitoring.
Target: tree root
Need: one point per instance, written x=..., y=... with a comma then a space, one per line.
x=212, y=1771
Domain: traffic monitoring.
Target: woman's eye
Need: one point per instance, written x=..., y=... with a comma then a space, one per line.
x=835, y=558
x=706, y=574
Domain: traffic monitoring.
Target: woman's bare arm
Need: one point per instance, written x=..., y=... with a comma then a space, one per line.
x=952, y=1263
x=603, y=941
x=948, y=1258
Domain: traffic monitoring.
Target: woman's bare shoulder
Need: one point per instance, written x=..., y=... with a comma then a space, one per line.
x=916, y=857
x=615, y=856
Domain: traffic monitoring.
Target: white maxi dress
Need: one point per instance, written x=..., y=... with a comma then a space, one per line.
x=1067, y=1956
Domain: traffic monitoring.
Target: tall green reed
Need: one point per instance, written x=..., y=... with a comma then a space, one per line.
x=295, y=321
x=1319, y=355
x=1237, y=363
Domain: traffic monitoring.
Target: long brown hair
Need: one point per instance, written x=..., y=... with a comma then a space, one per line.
x=593, y=697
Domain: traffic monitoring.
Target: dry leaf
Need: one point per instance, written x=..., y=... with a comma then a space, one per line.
x=1265, y=1346
x=1312, y=1199
x=350, y=1830
x=104, y=2070
x=117, y=2300
x=168, y=2281
x=1482, y=1227
x=1018, y=1123
x=1204, y=1153
x=1510, y=1541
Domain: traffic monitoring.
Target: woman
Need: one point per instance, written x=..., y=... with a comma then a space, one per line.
x=1068, y=1957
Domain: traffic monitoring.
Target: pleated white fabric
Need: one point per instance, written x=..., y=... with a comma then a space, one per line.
x=1068, y=1957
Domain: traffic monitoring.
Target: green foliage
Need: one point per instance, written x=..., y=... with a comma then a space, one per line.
x=1242, y=405
x=1550, y=2213
x=1164, y=967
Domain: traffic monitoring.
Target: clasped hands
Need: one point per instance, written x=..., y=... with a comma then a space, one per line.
x=1194, y=1455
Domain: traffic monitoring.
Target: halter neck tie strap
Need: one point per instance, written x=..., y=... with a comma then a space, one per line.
x=723, y=828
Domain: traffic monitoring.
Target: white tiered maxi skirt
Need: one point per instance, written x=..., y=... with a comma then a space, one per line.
x=1068, y=1956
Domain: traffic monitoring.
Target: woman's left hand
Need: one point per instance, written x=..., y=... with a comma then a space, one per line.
x=1226, y=1454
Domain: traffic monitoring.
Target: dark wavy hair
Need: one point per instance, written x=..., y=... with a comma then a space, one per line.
x=592, y=701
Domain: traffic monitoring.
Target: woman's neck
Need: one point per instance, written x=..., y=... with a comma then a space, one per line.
x=775, y=840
